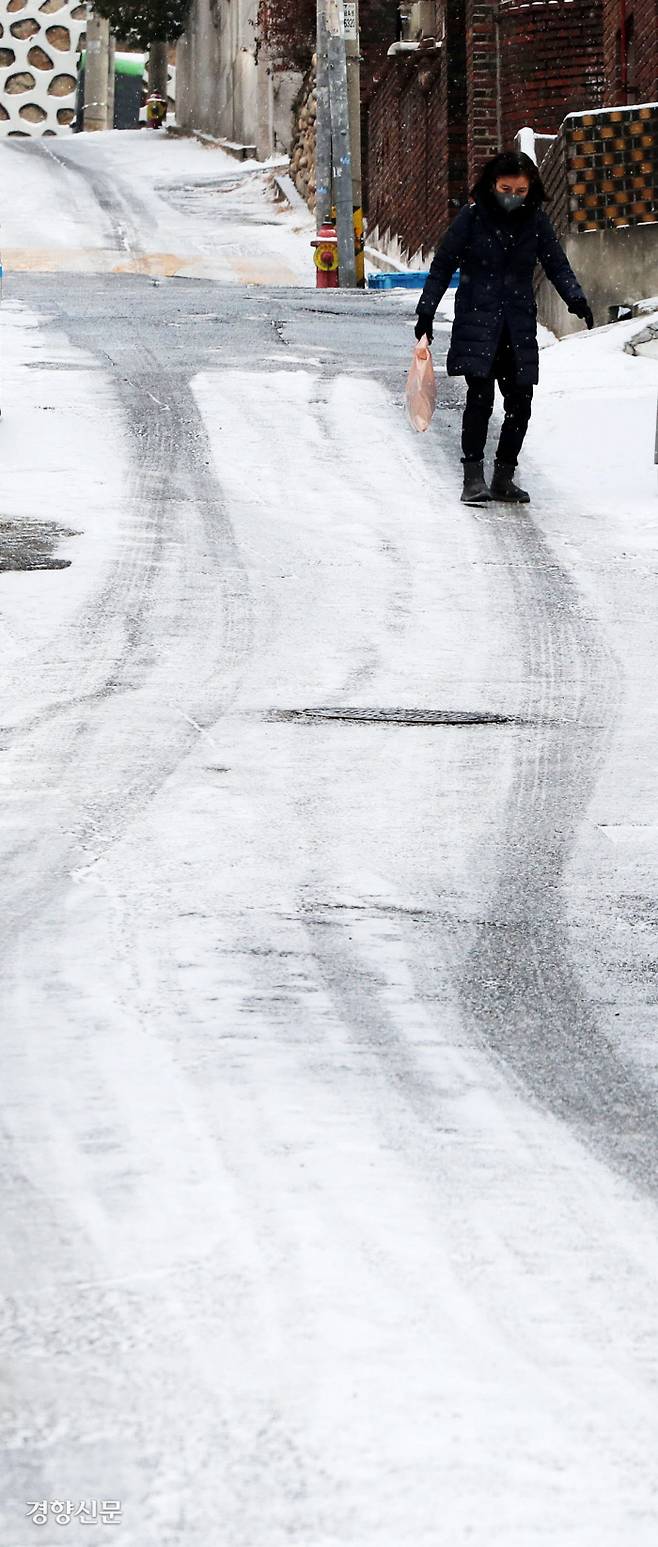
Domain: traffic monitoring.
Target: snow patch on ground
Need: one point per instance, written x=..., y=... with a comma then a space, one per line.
x=594, y=429
x=63, y=462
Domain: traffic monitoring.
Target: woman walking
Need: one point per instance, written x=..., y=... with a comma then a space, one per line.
x=496, y=242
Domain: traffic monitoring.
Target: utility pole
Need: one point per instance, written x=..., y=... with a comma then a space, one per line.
x=111, y=80
x=323, y=205
x=353, y=51
x=340, y=139
x=158, y=68
x=96, y=73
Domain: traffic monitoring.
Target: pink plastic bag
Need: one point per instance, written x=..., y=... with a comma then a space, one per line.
x=420, y=395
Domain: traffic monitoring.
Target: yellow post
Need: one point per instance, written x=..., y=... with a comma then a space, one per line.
x=359, y=248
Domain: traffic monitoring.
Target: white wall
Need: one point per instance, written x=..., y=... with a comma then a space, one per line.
x=221, y=89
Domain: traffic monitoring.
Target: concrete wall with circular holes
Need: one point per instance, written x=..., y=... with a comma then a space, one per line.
x=39, y=44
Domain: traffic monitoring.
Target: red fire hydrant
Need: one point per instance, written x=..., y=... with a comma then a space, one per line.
x=156, y=110
x=325, y=257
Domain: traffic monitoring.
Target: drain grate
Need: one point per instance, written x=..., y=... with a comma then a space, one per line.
x=352, y=716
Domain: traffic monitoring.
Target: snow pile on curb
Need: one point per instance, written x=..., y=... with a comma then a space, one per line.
x=595, y=424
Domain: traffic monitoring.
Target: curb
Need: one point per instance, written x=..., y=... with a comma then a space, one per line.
x=238, y=152
x=288, y=191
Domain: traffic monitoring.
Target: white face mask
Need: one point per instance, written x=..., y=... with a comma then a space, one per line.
x=510, y=201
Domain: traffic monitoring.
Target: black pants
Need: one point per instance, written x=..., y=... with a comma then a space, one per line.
x=517, y=402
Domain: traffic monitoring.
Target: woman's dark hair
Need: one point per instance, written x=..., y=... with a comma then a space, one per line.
x=510, y=163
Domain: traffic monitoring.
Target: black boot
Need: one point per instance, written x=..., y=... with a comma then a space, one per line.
x=503, y=486
x=475, y=491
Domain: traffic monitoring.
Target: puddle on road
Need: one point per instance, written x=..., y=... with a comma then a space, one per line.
x=28, y=545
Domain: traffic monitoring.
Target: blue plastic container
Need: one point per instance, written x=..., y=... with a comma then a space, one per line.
x=412, y=281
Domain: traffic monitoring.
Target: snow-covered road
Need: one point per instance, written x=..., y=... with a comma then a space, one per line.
x=327, y=838
x=127, y=208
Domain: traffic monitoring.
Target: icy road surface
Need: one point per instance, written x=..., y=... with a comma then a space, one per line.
x=328, y=846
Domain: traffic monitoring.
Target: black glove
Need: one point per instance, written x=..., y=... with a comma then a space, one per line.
x=425, y=325
x=582, y=308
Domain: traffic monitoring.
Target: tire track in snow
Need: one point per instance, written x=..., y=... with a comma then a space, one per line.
x=254, y=1447
x=120, y=206
x=129, y=684
x=138, y=629
x=520, y=991
x=513, y=971
x=169, y=630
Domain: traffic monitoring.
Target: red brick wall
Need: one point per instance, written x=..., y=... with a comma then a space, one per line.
x=436, y=117
x=642, y=52
x=551, y=62
x=455, y=19
x=529, y=64
x=408, y=181
x=645, y=50
x=481, y=84
x=553, y=170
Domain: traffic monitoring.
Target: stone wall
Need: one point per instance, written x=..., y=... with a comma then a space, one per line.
x=39, y=43
x=302, y=150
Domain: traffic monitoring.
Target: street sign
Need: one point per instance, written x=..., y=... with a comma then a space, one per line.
x=350, y=20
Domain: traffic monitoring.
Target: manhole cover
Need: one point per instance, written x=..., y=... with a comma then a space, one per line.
x=392, y=716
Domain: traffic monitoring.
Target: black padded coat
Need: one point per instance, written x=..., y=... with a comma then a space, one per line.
x=496, y=254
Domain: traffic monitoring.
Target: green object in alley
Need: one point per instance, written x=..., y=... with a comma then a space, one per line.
x=129, y=77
